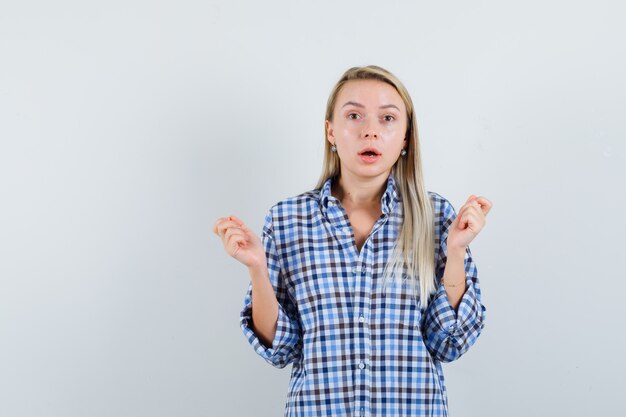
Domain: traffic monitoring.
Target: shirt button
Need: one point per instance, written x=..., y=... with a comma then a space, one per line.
x=362, y=365
x=361, y=318
x=362, y=411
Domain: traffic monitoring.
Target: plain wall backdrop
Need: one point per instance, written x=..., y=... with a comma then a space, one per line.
x=128, y=127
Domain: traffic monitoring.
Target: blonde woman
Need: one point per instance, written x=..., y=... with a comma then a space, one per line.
x=366, y=283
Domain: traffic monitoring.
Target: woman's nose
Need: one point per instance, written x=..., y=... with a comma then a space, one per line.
x=370, y=130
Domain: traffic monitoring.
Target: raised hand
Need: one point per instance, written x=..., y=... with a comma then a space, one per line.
x=469, y=222
x=240, y=242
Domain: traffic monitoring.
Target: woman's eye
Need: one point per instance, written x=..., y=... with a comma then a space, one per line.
x=391, y=118
x=352, y=114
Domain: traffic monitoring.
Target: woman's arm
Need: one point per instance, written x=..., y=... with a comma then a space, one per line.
x=272, y=326
x=455, y=315
x=264, y=305
x=450, y=331
x=454, y=277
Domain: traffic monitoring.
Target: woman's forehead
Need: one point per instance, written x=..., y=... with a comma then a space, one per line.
x=368, y=93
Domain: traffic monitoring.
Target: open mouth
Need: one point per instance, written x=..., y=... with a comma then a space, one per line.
x=370, y=152
x=369, y=155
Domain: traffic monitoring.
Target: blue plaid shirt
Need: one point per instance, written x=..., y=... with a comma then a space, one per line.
x=357, y=350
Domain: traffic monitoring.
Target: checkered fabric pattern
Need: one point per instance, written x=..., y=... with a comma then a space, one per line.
x=357, y=350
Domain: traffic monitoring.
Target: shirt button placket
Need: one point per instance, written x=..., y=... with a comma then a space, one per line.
x=359, y=273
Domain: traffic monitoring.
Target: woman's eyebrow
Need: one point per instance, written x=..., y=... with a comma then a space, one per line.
x=354, y=103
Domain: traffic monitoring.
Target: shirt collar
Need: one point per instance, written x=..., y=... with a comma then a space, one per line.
x=387, y=202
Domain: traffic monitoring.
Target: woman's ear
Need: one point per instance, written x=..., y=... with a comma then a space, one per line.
x=329, y=130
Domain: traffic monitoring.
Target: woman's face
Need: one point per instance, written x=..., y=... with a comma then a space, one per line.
x=368, y=114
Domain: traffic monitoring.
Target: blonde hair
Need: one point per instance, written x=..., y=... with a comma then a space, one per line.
x=414, y=250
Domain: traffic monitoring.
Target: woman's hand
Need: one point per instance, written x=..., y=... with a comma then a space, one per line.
x=469, y=221
x=240, y=242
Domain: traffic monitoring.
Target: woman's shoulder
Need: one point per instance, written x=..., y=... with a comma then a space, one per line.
x=442, y=208
x=302, y=201
x=303, y=206
x=437, y=198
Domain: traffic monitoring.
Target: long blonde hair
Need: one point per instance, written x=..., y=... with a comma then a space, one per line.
x=414, y=250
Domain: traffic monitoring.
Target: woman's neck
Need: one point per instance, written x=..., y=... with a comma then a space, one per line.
x=355, y=192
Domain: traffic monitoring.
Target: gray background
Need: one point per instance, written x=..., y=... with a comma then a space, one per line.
x=128, y=127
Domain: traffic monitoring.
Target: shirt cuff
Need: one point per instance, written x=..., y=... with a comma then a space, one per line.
x=285, y=335
x=471, y=312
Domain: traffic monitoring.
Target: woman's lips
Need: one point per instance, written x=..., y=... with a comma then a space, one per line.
x=369, y=159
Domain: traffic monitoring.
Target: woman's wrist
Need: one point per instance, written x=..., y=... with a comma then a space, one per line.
x=454, y=276
x=456, y=252
x=257, y=271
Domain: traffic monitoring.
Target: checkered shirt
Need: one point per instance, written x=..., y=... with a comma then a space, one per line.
x=357, y=350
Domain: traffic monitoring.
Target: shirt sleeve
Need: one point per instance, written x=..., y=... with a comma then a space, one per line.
x=286, y=346
x=449, y=334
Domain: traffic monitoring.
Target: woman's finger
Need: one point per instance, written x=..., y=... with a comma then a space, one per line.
x=234, y=231
x=236, y=238
x=477, y=218
x=236, y=220
x=463, y=209
x=235, y=245
x=217, y=222
x=223, y=225
x=485, y=204
x=476, y=209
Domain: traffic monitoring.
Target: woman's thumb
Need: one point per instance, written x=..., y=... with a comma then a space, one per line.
x=237, y=220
